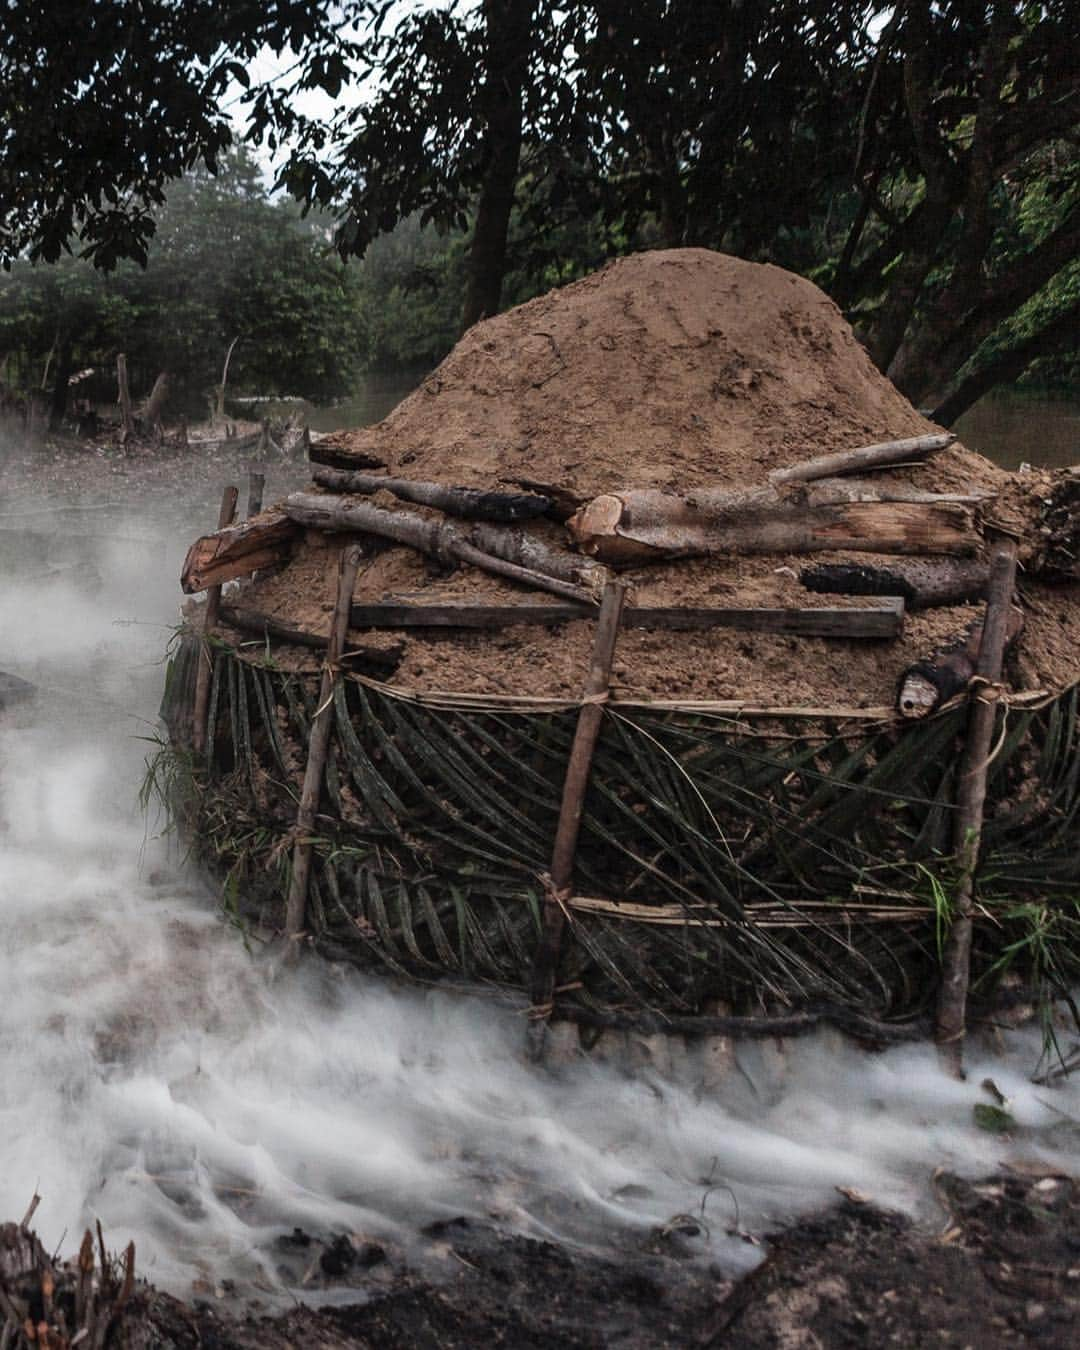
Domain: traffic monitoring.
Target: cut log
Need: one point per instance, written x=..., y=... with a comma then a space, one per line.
x=832, y=514
x=933, y=681
x=881, y=455
x=470, y=503
x=923, y=582
x=359, y=654
x=504, y=552
x=337, y=458
x=238, y=551
x=884, y=620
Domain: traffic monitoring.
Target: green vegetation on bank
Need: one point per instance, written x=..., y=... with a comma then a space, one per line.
x=917, y=160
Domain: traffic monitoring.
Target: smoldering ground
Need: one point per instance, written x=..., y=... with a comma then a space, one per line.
x=174, y=1082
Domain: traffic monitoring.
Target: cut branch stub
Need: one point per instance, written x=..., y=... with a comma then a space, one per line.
x=238, y=550
x=929, y=683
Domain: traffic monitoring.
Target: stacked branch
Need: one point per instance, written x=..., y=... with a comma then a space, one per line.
x=513, y=554
x=929, y=683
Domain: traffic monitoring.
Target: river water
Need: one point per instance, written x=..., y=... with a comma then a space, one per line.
x=190, y=1094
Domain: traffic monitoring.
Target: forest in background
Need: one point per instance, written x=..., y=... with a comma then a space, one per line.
x=917, y=160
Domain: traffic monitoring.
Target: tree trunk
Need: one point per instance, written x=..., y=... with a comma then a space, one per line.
x=59, y=400
x=124, y=397
x=507, y=46
x=156, y=402
x=1008, y=365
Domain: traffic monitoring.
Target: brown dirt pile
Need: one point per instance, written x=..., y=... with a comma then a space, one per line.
x=668, y=369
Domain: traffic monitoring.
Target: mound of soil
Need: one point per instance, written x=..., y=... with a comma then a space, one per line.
x=670, y=369
x=674, y=368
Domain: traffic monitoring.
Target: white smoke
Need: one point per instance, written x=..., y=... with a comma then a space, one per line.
x=193, y=1096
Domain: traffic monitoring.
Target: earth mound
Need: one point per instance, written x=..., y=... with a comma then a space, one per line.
x=669, y=369
x=675, y=370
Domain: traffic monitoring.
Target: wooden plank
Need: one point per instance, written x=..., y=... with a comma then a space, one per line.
x=883, y=619
x=251, y=621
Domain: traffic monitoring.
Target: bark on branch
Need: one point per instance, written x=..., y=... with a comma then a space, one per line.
x=509, y=553
x=829, y=514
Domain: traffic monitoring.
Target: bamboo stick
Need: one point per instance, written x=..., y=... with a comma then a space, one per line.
x=970, y=799
x=206, y=656
x=881, y=455
x=318, y=743
x=578, y=768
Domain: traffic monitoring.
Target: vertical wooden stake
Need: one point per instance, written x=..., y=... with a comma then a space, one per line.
x=578, y=767
x=206, y=656
x=256, y=484
x=124, y=397
x=318, y=744
x=951, y=1021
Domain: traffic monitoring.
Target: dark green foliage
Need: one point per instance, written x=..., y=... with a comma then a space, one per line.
x=102, y=104
x=224, y=263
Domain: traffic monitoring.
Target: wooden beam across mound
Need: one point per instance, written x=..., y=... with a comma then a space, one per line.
x=883, y=619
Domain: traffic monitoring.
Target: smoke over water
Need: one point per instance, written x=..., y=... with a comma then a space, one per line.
x=196, y=1098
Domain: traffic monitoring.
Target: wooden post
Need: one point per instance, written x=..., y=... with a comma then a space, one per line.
x=970, y=799
x=256, y=484
x=578, y=767
x=318, y=744
x=124, y=397
x=206, y=656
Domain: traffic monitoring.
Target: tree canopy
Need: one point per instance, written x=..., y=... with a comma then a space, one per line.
x=917, y=159
x=224, y=264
